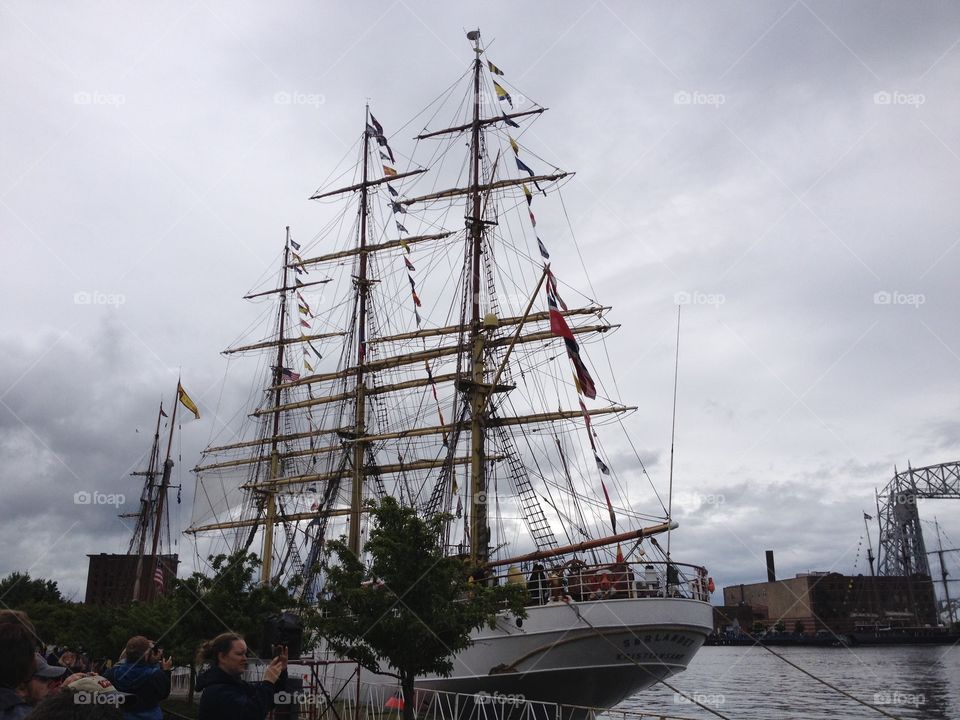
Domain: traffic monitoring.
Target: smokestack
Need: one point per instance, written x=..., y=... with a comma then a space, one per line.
x=771, y=570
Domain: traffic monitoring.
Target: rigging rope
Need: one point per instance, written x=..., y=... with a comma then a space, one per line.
x=830, y=685
x=715, y=712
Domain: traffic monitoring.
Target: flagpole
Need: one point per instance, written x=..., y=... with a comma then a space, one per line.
x=165, y=481
x=673, y=432
x=869, y=544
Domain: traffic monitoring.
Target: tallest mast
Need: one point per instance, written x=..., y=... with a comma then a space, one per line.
x=270, y=492
x=363, y=291
x=479, y=527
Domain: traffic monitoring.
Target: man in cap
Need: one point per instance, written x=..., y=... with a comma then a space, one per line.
x=46, y=678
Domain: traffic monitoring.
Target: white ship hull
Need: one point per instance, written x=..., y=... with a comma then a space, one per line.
x=594, y=653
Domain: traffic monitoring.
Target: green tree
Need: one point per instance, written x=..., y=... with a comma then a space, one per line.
x=19, y=589
x=799, y=628
x=51, y=615
x=413, y=607
x=780, y=627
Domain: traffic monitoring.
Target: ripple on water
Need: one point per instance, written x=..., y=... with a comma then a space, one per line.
x=748, y=683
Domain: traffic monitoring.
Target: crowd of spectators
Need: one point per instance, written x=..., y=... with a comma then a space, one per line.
x=66, y=685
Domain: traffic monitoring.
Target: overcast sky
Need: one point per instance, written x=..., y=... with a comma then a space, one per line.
x=789, y=171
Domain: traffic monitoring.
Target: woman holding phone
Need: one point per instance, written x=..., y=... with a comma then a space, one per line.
x=225, y=694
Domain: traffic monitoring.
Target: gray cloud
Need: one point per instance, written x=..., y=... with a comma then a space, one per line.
x=148, y=158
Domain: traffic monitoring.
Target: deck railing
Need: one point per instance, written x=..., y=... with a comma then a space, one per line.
x=579, y=581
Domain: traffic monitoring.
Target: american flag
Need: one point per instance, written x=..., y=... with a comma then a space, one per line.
x=288, y=375
x=158, y=577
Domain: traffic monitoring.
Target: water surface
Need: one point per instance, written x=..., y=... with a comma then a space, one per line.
x=748, y=683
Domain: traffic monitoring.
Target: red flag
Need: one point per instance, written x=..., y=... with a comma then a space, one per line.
x=619, y=554
x=558, y=325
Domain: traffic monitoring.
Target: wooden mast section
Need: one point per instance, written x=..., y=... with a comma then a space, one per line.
x=164, y=483
x=269, y=490
x=362, y=285
x=479, y=524
x=587, y=544
x=143, y=521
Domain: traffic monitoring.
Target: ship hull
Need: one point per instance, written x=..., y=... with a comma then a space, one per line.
x=593, y=654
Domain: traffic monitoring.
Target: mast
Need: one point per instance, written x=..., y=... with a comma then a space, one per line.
x=943, y=574
x=164, y=482
x=143, y=523
x=870, y=557
x=363, y=290
x=270, y=492
x=479, y=530
x=673, y=432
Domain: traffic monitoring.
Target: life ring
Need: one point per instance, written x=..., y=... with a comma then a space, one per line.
x=604, y=587
x=710, y=586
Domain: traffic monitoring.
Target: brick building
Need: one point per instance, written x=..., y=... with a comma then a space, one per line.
x=111, y=578
x=838, y=603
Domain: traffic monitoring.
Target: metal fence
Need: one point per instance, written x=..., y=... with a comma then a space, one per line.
x=363, y=701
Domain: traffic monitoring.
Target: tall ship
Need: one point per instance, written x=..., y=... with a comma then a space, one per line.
x=426, y=344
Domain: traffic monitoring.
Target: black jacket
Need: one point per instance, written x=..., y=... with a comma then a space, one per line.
x=225, y=697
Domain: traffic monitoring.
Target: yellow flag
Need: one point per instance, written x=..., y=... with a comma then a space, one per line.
x=187, y=402
x=514, y=145
x=494, y=69
x=307, y=365
x=404, y=245
x=387, y=170
x=501, y=93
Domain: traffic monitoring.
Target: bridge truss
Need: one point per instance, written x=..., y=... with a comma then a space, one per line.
x=901, y=548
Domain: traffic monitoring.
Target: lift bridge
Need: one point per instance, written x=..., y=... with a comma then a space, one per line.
x=901, y=548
